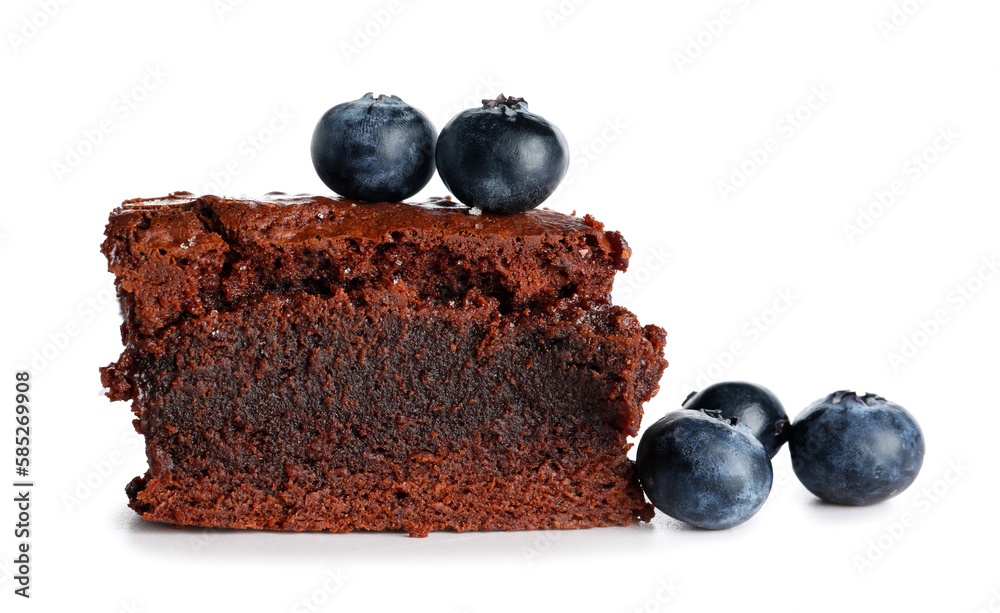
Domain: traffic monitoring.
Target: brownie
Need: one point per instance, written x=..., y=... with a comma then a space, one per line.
x=307, y=363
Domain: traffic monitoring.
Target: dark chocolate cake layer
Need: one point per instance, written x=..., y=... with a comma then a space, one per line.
x=209, y=253
x=395, y=402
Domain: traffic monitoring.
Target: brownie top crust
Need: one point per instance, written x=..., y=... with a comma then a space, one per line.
x=185, y=255
x=279, y=216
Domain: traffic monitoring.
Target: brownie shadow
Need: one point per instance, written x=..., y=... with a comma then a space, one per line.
x=190, y=542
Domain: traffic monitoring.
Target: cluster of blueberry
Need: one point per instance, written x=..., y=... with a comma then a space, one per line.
x=709, y=464
x=499, y=158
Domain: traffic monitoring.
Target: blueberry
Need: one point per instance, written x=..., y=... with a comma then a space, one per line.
x=856, y=450
x=752, y=405
x=501, y=158
x=702, y=469
x=374, y=149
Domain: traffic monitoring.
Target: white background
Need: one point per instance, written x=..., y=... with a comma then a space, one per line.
x=660, y=102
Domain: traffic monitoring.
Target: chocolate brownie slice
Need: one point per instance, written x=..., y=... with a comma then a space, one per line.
x=305, y=363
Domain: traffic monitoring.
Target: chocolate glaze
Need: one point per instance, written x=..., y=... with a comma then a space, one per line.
x=292, y=214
